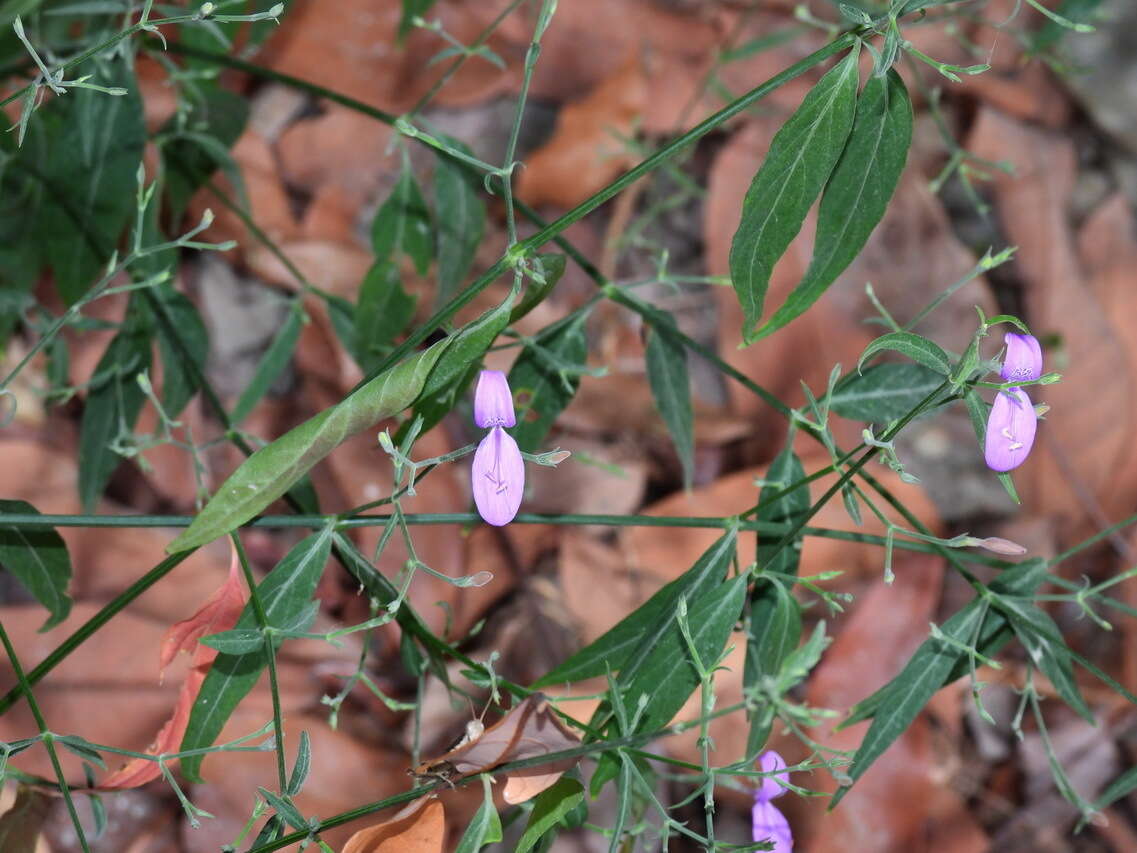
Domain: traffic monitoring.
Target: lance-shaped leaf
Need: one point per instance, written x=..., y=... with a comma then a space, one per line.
x=540, y=390
x=650, y=621
x=935, y=663
x=402, y=225
x=272, y=470
x=918, y=348
x=857, y=193
x=285, y=593
x=37, y=558
x=485, y=826
x=801, y=158
x=383, y=311
x=666, y=359
x=461, y=217
x=884, y=392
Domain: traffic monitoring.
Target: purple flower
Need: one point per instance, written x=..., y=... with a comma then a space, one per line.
x=1010, y=430
x=1024, y=358
x=499, y=471
x=767, y=823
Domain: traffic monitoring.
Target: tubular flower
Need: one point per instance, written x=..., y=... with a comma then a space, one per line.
x=768, y=823
x=1024, y=358
x=498, y=473
x=1013, y=421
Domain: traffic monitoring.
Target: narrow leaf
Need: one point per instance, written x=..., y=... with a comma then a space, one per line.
x=37, y=558
x=857, y=192
x=884, y=392
x=801, y=157
x=182, y=340
x=919, y=349
x=284, y=593
x=666, y=359
x=485, y=827
x=652, y=620
x=402, y=225
x=461, y=216
x=383, y=311
x=544, y=382
x=272, y=363
x=548, y=811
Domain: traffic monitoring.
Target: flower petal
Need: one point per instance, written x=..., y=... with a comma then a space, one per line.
x=498, y=477
x=1010, y=430
x=1023, y=361
x=769, y=824
x=770, y=762
x=493, y=404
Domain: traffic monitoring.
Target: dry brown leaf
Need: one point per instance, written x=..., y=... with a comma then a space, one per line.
x=589, y=147
x=219, y=613
x=413, y=830
x=530, y=729
x=331, y=265
x=340, y=147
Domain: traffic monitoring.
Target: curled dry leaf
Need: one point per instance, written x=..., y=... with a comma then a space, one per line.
x=418, y=828
x=219, y=613
x=530, y=729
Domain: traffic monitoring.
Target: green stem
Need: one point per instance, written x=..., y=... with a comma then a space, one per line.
x=270, y=657
x=45, y=735
x=95, y=623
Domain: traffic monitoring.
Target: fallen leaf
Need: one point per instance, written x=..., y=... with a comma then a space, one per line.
x=530, y=729
x=415, y=829
x=219, y=613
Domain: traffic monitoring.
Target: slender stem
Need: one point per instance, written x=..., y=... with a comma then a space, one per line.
x=270, y=658
x=45, y=735
x=95, y=623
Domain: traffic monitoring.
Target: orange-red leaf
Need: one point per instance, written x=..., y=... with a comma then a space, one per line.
x=413, y=830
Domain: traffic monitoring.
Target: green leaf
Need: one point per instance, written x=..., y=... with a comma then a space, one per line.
x=549, y=808
x=543, y=379
x=661, y=667
x=857, y=193
x=935, y=663
x=302, y=766
x=21, y=824
x=485, y=827
x=801, y=157
x=273, y=469
x=114, y=401
x=884, y=392
x=666, y=359
x=197, y=143
x=773, y=632
x=461, y=216
x=69, y=192
x=182, y=338
x=284, y=807
x=284, y=593
x=37, y=558
x=784, y=471
x=238, y=641
x=919, y=349
x=383, y=311
x=275, y=359
x=1042, y=640
x=652, y=620
x=402, y=225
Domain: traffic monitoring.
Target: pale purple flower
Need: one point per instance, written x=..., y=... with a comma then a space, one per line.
x=1010, y=430
x=767, y=822
x=498, y=473
x=1023, y=362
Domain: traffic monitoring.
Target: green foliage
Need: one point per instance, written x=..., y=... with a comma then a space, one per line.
x=544, y=379
x=383, y=311
x=402, y=224
x=666, y=359
x=883, y=393
x=38, y=560
x=461, y=216
x=285, y=594
x=802, y=155
x=550, y=808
